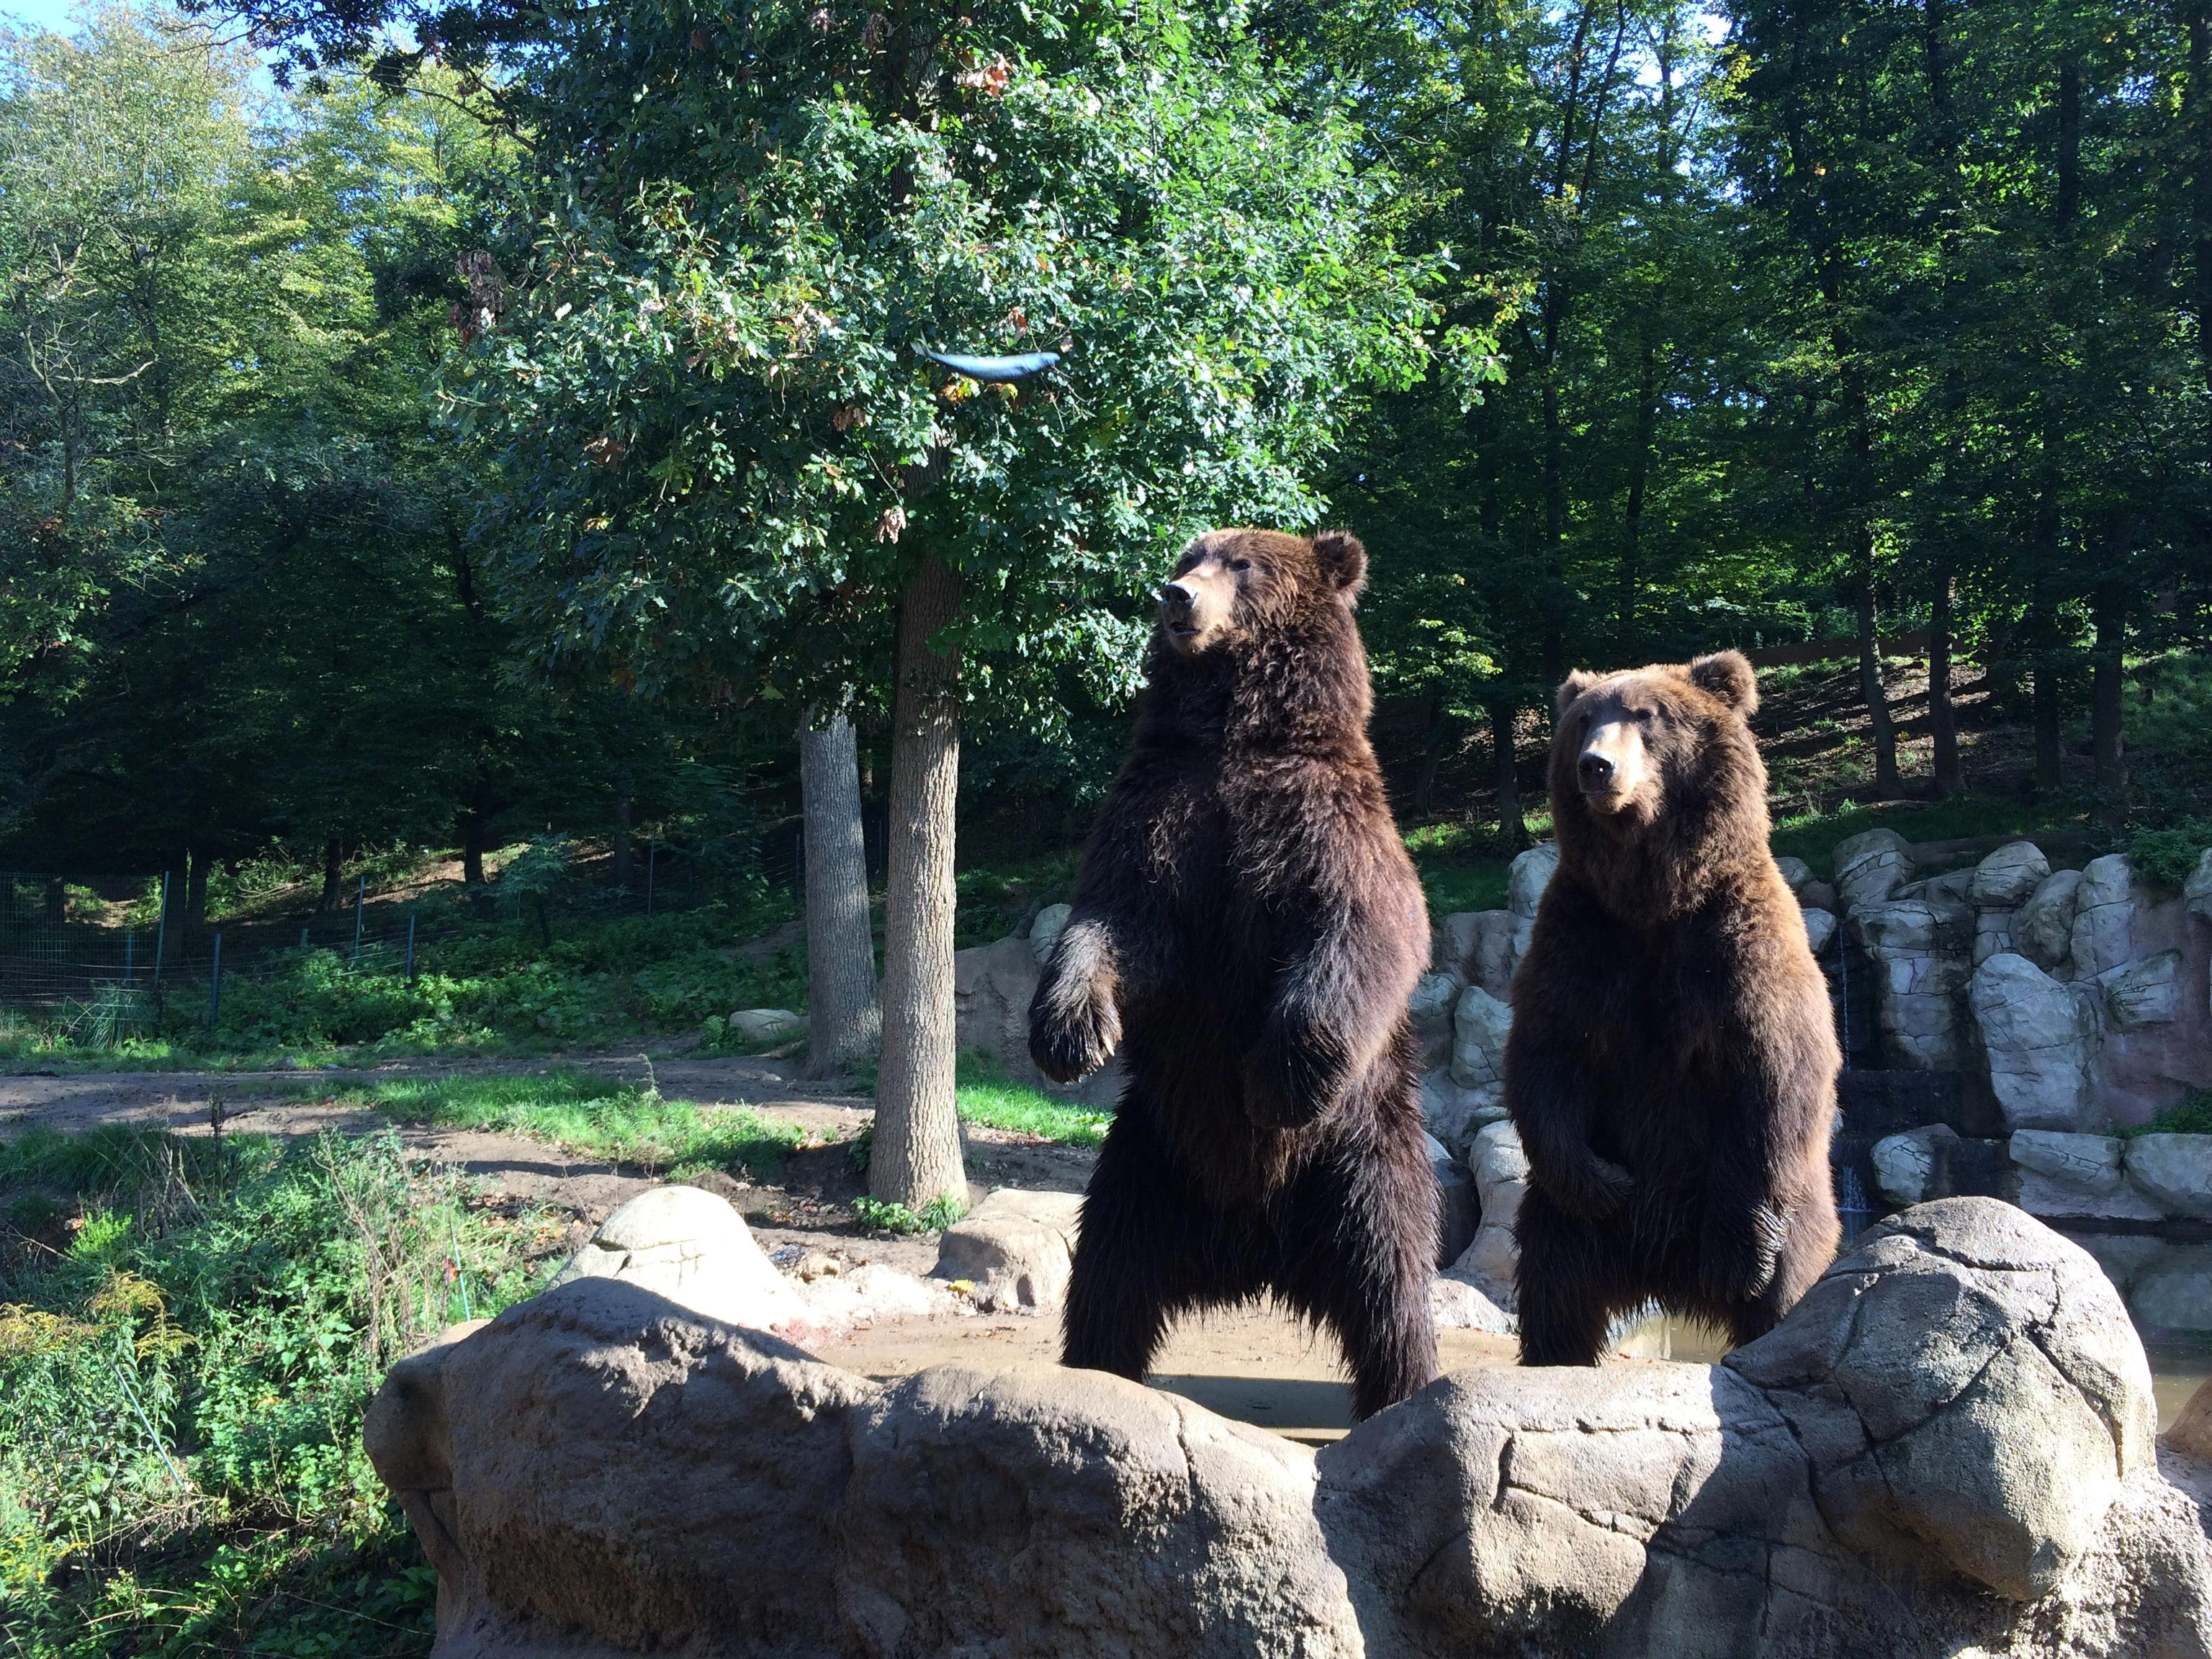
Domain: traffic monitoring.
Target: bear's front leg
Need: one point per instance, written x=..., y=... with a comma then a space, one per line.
x=1074, y=1023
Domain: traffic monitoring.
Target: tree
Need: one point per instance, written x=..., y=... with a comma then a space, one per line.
x=718, y=437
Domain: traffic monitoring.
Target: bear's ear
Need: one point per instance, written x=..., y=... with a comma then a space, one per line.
x=1727, y=675
x=1343, y=560
x=1574, y=685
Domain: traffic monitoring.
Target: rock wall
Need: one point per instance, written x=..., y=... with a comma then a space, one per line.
x=1947, y=1449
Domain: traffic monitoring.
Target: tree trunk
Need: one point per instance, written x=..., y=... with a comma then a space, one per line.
x=1879, y=728
x=2050, y=772
x=2107, y=692
x=916, y=1155
x=1509, y=823
x=1432, y=745
x=333, y=876
x=1942, y=718
x=843, y=1023
x=475, y=831
x=56, y=901
x=1640, y=467
x=196, y=884
x=623, y=835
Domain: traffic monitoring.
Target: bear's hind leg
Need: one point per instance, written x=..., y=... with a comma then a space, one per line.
x=1570, y=1283
x=1809, y=1249
x=1139, y=1256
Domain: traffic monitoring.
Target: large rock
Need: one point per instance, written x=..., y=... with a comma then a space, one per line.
x=1946, y=1449
x=2174, y=1171
x=1479, y=1027
x=2043, y=926
x=1529, y=874
x=2003, y=880
x=1045, y=931
x=1907, y=1166
x=2145, y=992
x=1435, y=995
x=1819, y=929
x=689, y=1247
x=2197, y=891
x=1478, y=946
x=992, y=985
x=2171, y=1293
x=2104, y=917
x=1795, y=872
x=2074, y=1179
x=1454, y=1113
x=2040, y=1038
x=1993, y=934
x=1457, y=1208
x=1921, y=950
x=1016, y=1248
x=769, y=1025
x=1871, y=867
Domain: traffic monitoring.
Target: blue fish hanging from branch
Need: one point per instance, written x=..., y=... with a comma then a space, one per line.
x=993, y=371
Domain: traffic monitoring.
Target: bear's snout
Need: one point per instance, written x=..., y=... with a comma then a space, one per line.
x=1611, y=768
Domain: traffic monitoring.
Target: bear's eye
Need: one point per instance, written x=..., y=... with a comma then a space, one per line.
x=1240, y=564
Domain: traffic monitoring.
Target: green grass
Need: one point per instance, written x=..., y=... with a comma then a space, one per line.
x=190, y=1329
x=591, y=1117
x=2193, y=1116
x=986, y=1096
x=1813, y=837
x=1456, y=874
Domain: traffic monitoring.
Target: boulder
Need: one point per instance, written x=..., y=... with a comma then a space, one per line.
x=1819, y=930
x=1819, y=895
x=1869, y=867
x=1478, y=946
x=1016, y=1248
x=2174, y=1171
x=1501, y=1180
x=870, y=1294
x=688, y=1246
x=2191, y=1433
x=1945, y=1449
x=1954, y=885
x=1921, y=950
x=1479, y=1026
x=1457, y=1208
x=1045, y=931
x=1456, y=1303
x=2197, y=891
x=2171, y=1294
x=1794, y=871
x=1454, y=1114
x=1529, y=875
x=1906, y=1166
x=2145, y=992
x=2042, y=927
x=769, y=1025
x=2040, y=1038
x=1993, y=934
x=2003, y=880
x=2091, y=1163
x=2104, y=917
x=992, y=985
x=1435, y=995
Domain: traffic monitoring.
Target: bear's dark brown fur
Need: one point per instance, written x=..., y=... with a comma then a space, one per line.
x=1672, y=1063
x=1247, y=929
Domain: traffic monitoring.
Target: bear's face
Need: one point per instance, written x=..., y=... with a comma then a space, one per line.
x=1638, y=736
x=1232, y=584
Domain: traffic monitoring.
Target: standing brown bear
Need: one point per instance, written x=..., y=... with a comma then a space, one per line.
x=1246, y=930
x=1672, y=1063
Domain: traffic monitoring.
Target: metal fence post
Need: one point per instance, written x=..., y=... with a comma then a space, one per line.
x=161, y=928
x=129, y=950
x=214, y=983
x=360, y=898
x=652, y=846
x=410, y=947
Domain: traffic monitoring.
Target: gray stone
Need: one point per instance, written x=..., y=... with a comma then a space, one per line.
x=688, y=1246
x=2197, y=891
x=1920, y=950
x=1045, y=931
x=2104, y=917
x=1501, y=1180
x=2003, y=880
x=2040, y=1038
x=2042, y=927
x=1458, y=1208
x=1436, y=996
x=1478, y=946
x=1529, y=874
x=1944, y=1450
x=1869, y=867
x=768, y=1025
x=867, y=1295
x=1457, y=1303
x=1819, y=929
x=2171, y=1295
x=2065, y=1205
x=1954, y=885
x=1016, y=1248
x=2174, y=1171
x=1819, y=895
x=1794, y=871
x=1993, y=934
x=1905, y=1164
x=2091, y=1163
x=992, y=986
x=1479, y=1027
x=2145, y=992
x=1454, y=1114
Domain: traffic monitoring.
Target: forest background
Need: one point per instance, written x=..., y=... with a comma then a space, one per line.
x=481, y=548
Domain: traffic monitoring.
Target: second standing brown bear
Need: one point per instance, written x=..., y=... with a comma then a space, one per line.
x=1672, y=1062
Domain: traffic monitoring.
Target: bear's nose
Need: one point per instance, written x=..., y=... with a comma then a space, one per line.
x=1175, y=600
x=1596, y=770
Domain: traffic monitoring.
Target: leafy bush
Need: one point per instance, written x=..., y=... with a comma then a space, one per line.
x=185, y=1363
x=935, y=1216
x=2169, y=856
x=2193, y=1116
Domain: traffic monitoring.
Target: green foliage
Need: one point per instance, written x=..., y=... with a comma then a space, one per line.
x=180, y=1462
x=986, y=1096
x=1456, y=872
x=2169, y=856
x=1814, y=837
x=591, y=1117
x=2193, y=1116
x=880, y=1216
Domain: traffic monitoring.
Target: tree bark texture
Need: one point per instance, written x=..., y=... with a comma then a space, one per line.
x=1881, y=731
x=916, y=1155
x=1942, y=716
x=2107, y=708
x=843, y=1023
x=333, y=876
x=624, y=836
x=1502, y=716
x=196, y=884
